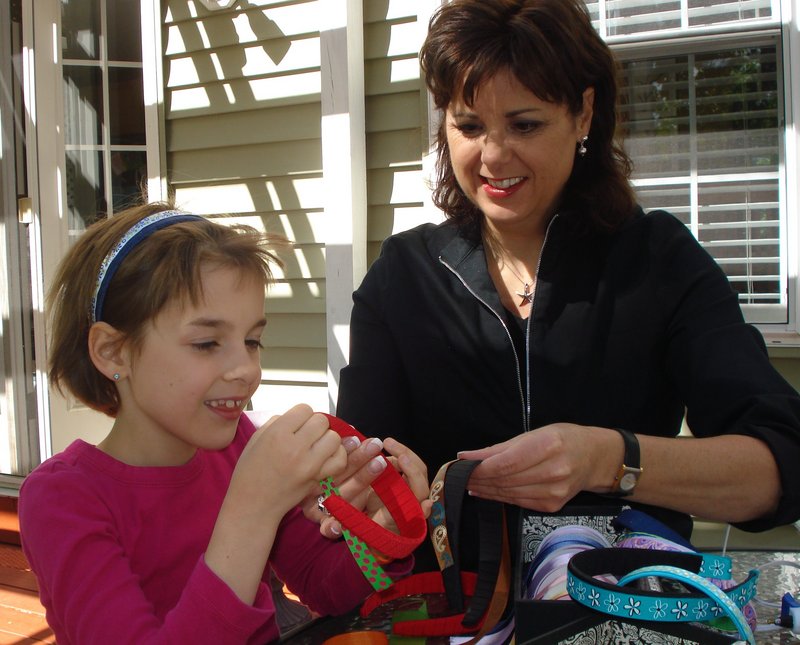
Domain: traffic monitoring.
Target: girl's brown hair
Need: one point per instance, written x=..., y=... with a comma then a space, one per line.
x=162, y=268
x=551, y=47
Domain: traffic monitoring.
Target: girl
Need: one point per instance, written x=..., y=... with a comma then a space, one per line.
x=165, y=531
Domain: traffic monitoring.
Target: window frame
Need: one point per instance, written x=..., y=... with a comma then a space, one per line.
x=782, y=31
x=60, y=419
x=700, y=45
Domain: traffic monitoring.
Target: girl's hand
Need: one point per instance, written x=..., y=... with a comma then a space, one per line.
x=364, y=465
x=285, y=460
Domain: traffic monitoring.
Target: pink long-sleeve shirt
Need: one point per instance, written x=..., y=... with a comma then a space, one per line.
x=118, y=552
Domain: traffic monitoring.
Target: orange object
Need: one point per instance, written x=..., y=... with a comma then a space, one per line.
x=358, y=638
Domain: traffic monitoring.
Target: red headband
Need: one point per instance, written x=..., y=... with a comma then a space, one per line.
x=399, y=499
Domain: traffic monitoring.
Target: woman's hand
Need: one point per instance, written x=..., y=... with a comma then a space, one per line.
x=365, y=463
x=413, y=470
x=544, y=468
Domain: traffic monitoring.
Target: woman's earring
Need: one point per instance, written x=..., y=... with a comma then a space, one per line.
x=582, y=143
x=116, y=376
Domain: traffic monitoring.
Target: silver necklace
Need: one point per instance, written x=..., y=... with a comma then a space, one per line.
x=527, y=291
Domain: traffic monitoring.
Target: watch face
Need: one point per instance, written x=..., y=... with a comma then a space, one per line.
x=628, y=481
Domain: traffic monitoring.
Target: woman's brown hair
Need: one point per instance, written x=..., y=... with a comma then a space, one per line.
x=162, y=268
x=551, y=47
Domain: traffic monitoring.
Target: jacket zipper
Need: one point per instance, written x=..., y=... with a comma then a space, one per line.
x=529, y=326
x=525, y=404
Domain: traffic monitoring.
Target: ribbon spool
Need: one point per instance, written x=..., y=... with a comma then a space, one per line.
x=358, y=638
x=547, y=576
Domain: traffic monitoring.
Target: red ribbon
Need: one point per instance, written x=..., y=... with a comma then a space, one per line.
x=399, y=499
x=423, y=583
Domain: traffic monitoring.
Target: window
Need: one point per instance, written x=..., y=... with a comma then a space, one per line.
x=703, y=96
x=104, y=108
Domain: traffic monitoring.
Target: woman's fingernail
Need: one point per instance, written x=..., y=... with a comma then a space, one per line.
x=376, y=465
x=351, y=443
x=374, y=445
x=336, y=529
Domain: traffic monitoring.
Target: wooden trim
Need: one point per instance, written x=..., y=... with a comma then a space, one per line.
x=9, y=521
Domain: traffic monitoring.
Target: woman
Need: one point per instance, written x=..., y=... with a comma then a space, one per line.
x=550, y=327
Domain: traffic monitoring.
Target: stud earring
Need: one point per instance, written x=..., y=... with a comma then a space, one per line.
x=582, y=150
x=116, y=376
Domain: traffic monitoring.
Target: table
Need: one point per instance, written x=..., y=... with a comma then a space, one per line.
x=773, y=582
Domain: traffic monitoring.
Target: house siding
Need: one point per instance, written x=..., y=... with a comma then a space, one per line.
x=396, y=118
x=243, y=114
x=242, y=123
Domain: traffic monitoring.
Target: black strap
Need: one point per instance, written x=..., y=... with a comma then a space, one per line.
x=455, y=486
x=491, y=528
x=619, y=561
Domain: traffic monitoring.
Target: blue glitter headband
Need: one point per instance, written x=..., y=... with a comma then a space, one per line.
x=143, y=229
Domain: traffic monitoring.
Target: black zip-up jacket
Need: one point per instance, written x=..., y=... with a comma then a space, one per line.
x=628, y=329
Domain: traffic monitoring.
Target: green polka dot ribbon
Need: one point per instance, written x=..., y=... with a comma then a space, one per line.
x=366, y=561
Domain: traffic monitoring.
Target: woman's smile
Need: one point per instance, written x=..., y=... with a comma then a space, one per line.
x=499, y=188
x=512, y=152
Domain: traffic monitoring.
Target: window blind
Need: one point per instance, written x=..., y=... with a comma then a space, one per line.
x=616, y=18
x=705, y=133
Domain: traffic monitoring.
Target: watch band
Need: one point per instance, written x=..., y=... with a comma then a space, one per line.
x=631, y=469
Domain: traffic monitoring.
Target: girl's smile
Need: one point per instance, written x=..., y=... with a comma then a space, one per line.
x=197, y=367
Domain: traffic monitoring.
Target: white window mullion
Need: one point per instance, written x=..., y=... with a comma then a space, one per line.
x=603, y=26
x=694, y=199
x=105, y=129
x=153, y=80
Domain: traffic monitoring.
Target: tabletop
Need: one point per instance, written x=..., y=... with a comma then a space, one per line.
x=779, y=573
x=774, y=580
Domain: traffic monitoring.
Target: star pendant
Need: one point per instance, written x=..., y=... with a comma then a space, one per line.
x=526, y=295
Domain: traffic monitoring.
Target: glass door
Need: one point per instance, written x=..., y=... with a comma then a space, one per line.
x=19, y=437
x=110, y=152
x=80, y=117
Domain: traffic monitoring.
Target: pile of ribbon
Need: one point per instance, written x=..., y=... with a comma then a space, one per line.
x=488, y=611
x=644, y=576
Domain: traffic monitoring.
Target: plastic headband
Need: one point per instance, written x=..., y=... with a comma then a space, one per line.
x=140, y=231
x=631, y=564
